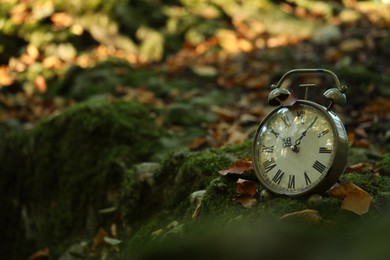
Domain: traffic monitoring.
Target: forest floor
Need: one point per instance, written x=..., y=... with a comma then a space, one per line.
x=213, y=94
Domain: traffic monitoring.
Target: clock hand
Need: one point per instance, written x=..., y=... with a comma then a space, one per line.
x=295, y=147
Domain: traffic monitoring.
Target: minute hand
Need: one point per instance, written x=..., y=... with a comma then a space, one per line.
x=298, y=141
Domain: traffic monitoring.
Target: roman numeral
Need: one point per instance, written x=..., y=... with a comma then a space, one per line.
x=319, y=166
x=275, y=133
x=291, y=181
x=268, y=149
x=323, y=133
x=307, y=179
x=300, y=113
x=325, y=150
x=278, y=176
x=269, y=165
x=286, y=120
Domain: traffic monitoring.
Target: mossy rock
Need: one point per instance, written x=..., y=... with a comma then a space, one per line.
x=180, y=175
x=176, y=226
x=67, y=168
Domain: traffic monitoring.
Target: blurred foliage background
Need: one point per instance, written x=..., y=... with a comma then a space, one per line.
x=214, y=57
x=41, y=39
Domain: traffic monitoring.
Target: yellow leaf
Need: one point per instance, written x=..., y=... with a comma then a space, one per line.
x=307, y=216
x=356, y=199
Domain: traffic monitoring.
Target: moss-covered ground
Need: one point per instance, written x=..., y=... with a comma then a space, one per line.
x=178, y=227
x=155, y=203
x=58, y=175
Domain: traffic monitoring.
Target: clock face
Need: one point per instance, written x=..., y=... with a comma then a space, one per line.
x=294, y=148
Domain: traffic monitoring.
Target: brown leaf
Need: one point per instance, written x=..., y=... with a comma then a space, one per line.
x=355, y=167
x=157, y=232
x=6, y=78
x=62, y=19
x=196, y=212
x=238, y=167
x=236, y=135
x=40, y=84
x=355, y=199
x=307, y=216
x=362, y=143
x=198, y=143
x=246, y=187
x=42, y=254
x=114, y=230
x=99, y=238
x=380, y=106
x=247, y=201
x=225, y=114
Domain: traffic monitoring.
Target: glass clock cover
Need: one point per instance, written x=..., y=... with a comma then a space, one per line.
x=300, y=149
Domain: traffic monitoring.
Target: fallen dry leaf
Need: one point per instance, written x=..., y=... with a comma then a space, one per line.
x=362, y=143
x=40, y=84
x=157, y=232
x=238, y=167
x=356, y=199
x=197, y=143
x=42, y=254
x=62, y=19
x=247, y=201
x=246, y=190
x=246, y=187
x=225, y=114
x=114, y=230
x=99, y=238
x=306, y=215
x=196, y=212
x=5, y=77
x=355, y=167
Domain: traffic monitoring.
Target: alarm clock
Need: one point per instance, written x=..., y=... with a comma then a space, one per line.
x=301, y=147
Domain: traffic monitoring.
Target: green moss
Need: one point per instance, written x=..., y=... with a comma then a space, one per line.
x=181, y=174
x=14, y=168
x=77, y=161
x=185, y=172
x=385, y=162
x=241, y=151
x=357, y=155
x=369, y=182
x=386, y=159
x=219, y=200
x=148, y=208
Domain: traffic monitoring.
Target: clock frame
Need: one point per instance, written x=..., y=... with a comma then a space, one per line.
x=335, y=165
x=334, y=168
